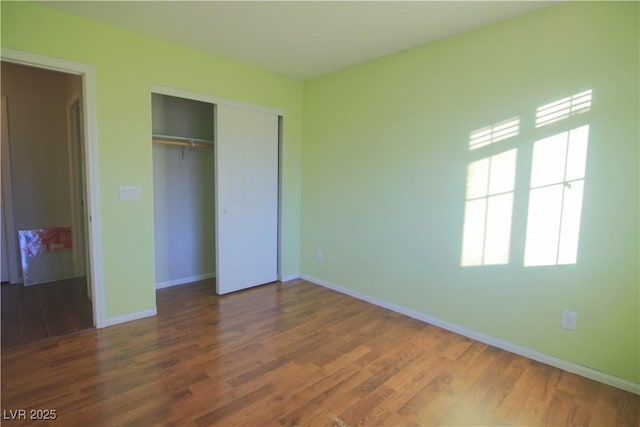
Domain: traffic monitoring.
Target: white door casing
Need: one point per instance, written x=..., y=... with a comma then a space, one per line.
x=94, y=237
x=246, y=197
x=76, y=180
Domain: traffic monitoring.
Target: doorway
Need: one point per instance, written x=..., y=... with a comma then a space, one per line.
x=48, y=291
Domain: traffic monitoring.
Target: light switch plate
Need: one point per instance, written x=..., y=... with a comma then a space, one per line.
x=130, y=192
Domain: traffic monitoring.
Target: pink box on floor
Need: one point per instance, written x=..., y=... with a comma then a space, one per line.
x=46, y=254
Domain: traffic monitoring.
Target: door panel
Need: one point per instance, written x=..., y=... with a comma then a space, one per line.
x=246, y=198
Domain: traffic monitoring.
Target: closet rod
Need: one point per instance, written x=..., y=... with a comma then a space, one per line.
x=185, y=143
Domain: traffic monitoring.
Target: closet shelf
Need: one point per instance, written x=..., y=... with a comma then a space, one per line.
x=182, y=142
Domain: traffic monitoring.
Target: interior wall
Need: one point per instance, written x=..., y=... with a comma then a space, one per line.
x=183, y=192
x=385, y=158
x=73, y=86
x=183, y=198
x=181, y=117
x=38, y=142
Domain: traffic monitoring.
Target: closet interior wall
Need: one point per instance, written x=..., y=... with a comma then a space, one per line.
x=183, y=191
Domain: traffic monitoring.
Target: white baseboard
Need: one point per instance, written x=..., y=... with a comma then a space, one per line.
x=110, y=321
x=495, y=342
x=289, y=277
x=185, y=280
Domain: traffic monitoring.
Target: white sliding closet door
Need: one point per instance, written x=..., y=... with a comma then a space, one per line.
x=246, y=198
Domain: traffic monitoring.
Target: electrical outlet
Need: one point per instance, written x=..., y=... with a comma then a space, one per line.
x=319, y=254
x=569, y=319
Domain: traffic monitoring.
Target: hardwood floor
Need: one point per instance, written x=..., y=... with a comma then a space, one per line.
x=292, y=354
x=34, y=313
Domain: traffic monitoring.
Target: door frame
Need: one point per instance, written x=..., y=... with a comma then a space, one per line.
x=90, y=136
x=75, y=147
x=165, y=90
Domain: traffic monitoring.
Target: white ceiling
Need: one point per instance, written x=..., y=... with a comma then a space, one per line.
x=300, y=39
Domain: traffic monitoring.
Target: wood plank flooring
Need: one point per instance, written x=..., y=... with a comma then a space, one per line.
x=37, y=312
x=292, y=354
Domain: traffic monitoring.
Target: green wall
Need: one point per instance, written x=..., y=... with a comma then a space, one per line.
x=384, y=166
x=126, y=65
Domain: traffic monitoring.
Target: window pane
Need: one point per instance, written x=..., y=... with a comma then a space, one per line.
x=503, y=172
x=473, y=240
x=570, y=229
x=498, y=233
x=549, y=160
x=577, y=153
x=543, y=226
x=477, y=178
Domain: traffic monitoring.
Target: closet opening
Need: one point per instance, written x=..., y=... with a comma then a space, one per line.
x=183, y=190
x=216, y=191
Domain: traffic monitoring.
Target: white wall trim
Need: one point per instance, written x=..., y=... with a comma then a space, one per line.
x=164, y=90
x=185, y=280
x=290, y=277
x=280, y=240
x=496, y=342
x=91, y=161
x=110, y=321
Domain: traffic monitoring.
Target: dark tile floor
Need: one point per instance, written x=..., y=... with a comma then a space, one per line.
x=37, y=312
